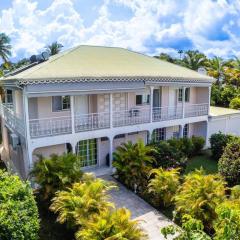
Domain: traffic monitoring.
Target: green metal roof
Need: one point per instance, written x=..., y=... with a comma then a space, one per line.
x=93, y=61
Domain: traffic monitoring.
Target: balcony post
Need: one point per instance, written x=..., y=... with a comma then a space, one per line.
x=209, y=99
x=181, y=127
x=110, y=110
x=72, y=113
x=27, y=129
x=183, y=102
x=151, y=103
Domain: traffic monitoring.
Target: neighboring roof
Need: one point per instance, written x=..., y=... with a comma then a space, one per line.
x=105, y=62
x=220, y=111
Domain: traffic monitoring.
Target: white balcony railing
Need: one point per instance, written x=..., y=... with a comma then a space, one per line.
x=131, y=117
x=14, y=122
x=167, y=113
x=50, y=126
x=195, y=110
x=92, y=121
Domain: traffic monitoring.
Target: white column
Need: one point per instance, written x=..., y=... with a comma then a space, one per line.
x=72, y=113
x=183, y=102
x=151, y=103
x=181, y=127
x=209, y=99
x=27, y=129
x=110, y=110
x=110, y=151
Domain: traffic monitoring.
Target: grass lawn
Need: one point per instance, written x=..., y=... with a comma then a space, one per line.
x=204, y=160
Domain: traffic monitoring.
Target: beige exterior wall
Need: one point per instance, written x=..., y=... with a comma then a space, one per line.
x=47, y=151
x=132, y=137
x=103, y=150
x=18, y=102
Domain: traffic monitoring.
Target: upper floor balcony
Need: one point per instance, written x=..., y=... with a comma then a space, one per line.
x=58, y=115
x=103, y=120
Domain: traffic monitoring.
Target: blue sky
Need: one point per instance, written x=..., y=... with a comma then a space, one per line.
x=147, y=26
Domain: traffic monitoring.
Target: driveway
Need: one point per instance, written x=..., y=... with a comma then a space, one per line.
x=151, y=220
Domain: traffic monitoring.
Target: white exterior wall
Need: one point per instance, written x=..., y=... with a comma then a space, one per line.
x=18, y=102
x=228, y=124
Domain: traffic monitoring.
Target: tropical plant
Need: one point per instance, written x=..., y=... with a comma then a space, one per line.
x=132, y=162
x=164, y=184
x=235, y=192
x=18, y=209
x=216, y=99
x=215, y=68
x=77, y=204
x=194, y=59
x=199, y=195
x=56, y=173
x=192, y=229
x=167, y=155
x=218, y=142
x=227, y=224
x=111, y=224
x=5, y=47
x=229, y=163
x=54, y=48
x=235, y=103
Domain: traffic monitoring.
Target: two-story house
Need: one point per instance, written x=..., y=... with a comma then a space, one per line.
x=89, y=100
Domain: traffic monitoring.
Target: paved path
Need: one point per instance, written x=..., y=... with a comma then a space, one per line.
x=150, y=219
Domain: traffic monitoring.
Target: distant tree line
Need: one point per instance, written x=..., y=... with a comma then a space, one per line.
x=226, y=89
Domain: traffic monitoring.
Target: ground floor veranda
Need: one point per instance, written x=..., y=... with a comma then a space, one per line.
x=95, y=152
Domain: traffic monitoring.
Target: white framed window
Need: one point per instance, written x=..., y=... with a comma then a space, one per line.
x=87, y=152
x=187, y=94
x=9, y=96
x=159, y=134
x=142, y=99
x=180, y=95
x=185, y=130
x=60, y=103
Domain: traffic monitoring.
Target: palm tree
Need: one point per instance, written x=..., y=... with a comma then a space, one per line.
x=54, y=48
x=115, y=225
x=56, y=173
x=132, y=162
x=215, y=68
x=77, y=204
x=194, y=60
x=5, y=47
x=164, y=184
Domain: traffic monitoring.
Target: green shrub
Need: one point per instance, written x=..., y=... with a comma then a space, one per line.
x=235, y=192
x=56, y=173
x=18, y=210
x=163, y=185
x=199, y=195
x=227, y=224
x=218, y=142
x=235, y=103
x=168, y=155
x=192, y=229
x=198, y=144
x=183, y=145
x=132, y=163
x=229, y=163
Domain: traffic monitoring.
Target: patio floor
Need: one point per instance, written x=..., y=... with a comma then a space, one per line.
x=151, y=220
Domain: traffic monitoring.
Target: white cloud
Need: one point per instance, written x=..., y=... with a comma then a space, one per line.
x=155, y=25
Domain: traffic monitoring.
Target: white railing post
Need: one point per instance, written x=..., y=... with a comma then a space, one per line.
x=72, y=113
x=110, y=110
x=151, y=103
x=183, y=102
